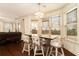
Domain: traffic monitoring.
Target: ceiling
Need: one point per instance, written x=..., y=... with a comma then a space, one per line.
x=16, y=10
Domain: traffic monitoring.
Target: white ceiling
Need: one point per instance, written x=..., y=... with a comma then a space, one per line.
x=16, y=10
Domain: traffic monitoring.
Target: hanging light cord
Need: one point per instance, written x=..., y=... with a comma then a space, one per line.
x=39, y=6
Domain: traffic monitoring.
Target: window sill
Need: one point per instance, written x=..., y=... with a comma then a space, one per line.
x=73, y=41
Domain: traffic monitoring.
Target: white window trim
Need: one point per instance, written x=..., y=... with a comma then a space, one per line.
x=70, y=37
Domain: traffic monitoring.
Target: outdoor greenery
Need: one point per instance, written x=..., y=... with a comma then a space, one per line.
x=55, y=32
x=72, y=23
x=34, y=31
x=45, y=31
x=72, y=32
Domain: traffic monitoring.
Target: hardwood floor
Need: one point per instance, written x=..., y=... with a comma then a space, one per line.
x=14, y=49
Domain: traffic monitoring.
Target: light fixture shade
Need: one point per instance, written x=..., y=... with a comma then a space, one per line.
x=39, y=14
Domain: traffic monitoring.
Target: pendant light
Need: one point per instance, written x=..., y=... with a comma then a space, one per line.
x=39, y=14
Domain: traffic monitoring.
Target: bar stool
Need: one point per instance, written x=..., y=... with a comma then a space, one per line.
x=27, y=44
x=44, y=44
x=49, y=45
x=37, y=45
x=57, y=45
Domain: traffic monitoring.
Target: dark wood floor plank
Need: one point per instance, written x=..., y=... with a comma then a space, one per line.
x=14, y=49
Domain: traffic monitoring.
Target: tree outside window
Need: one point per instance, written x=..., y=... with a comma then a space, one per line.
x=34, y=27
x=55, y=25
x=72, y=23
x=45, y=27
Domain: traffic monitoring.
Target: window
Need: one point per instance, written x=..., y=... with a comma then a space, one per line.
x=72, y=23
x=7, y=27
x=17, y=29
x=34, y=27
x=55, y=25
x=45, y=26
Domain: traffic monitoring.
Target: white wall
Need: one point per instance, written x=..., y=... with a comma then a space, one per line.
x=27, y=25
x=70, y=44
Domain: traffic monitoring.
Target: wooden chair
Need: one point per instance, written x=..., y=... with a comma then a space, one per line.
x=57, y=44
x=37, y=46
x=27, y=44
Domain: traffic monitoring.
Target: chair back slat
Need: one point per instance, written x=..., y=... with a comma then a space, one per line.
x=25, y=38
x=36, y=39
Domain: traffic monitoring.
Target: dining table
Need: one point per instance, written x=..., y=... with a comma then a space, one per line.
x=46, y=38
x=47, y=41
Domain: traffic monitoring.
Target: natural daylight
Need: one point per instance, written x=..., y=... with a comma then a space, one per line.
x=39, y=29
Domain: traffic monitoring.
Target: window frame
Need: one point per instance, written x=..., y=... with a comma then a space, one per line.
x=52, y=25
x=45, y=20
x=68, y=23
x=10, y=29
x=34, y=21
x=71, y=36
